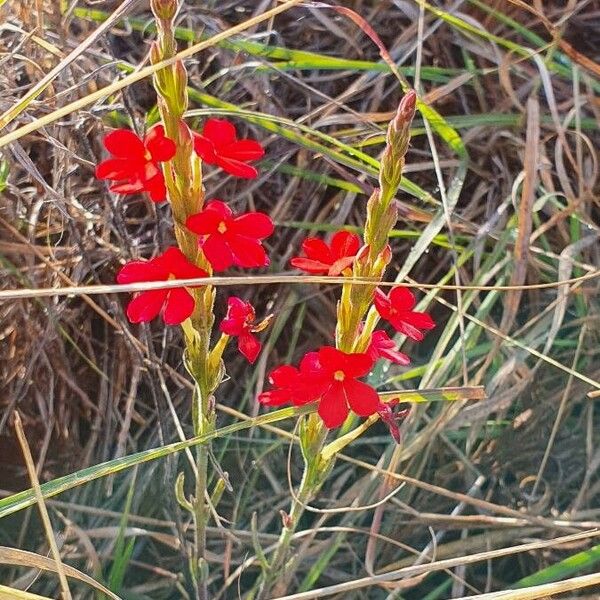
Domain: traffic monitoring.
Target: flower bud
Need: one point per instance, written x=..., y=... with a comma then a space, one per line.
x=407, y=107
x=398, y=137
x=180, y=79
x=155, y=53
x=185, y=133
x=386, y=255
x=286, y=520
x=362, y=255
x=164, y=9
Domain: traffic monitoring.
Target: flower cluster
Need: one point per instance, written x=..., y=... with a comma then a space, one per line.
x=329, y=375
x=224, y=239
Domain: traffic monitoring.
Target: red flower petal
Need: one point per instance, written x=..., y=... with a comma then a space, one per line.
x=310, y=362
x=381, y=346
x=352, y=365
x=357, y=364
x=156, y=188
x=219, y=131
x=218, y=145
x=205, y=222
x=317, y=249
x=247, y=252
x=402, y=298
x=114, y=169
x=333, y=408
x=283, y=376
x=145, y=306
x=175, y=262
x=407, y=329
x=178, y=307
x=275, y=397
x=217, y=252
x=128, y=188
x=310, y=266
x=236, y=167
x=205, y=149
x=140, y=270
x=243, y=150
x=421, y=320
x=340, y=265
x=255, y=224
x=382, y=303
x=362, y=398
x=249, y=346
x=231, y=327
x=397, y=309
x=344, y=244
x=160, y=147
x=240, y=315
x=219, y=207
x=124, y=143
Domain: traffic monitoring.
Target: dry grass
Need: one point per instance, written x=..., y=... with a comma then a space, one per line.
x=518, y=469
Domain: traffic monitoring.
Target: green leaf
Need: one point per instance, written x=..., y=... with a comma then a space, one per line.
x=21, y=500
x=563, y=569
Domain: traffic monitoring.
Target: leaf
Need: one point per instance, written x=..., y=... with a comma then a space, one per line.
x=561, y=570
x=286, y=128
x=21, y=500
x=447, y=394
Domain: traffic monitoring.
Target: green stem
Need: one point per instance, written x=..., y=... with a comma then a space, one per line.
x=201, y=518
x=278, y=569
x=352, y=308
x=183, y=177
x=313, y=477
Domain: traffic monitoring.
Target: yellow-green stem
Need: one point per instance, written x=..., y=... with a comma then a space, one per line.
x=351, y=334
x=183, y=179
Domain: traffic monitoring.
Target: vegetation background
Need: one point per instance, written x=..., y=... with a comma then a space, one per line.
x=503, y=191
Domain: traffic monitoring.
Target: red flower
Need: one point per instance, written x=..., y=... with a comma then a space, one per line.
x=240, y=322
x=323, y=259
x=381, y=346
x=228, y=240
x=135, y=162
x=175, y=304
x=397, y=308
x=218, y=145
x=331, y=376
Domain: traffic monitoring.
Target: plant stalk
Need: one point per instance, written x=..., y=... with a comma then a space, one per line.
x=352, y=335
x=183, y=179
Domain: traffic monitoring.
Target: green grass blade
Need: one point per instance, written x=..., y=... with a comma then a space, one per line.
x=448, y=394
x=346, y=155
x=21, y=500
x=563, y=569
x=123, y=548
x=287, y=59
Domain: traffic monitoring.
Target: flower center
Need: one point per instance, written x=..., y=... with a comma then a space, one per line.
x=339, y=376
x=222, y=228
